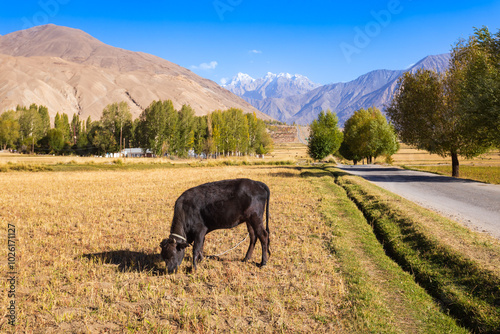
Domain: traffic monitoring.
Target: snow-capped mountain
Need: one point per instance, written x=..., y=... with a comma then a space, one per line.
x=271, y=86
x=296, y=99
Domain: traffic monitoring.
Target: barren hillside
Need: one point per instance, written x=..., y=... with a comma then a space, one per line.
x=69, y=71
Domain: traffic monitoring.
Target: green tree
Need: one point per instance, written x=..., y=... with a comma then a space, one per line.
x=75, y=128
x=9, y=129
x=117, y=118
x=368, y=135
x=475, y=80
x=235, y=131
x=259, y=140
x=103, y=139
x=200, y=135
x=31, y=126
x=171, y=129
x=55, y=141
x=217, y=133
x=347, y=153
x=186, y=130
x=61, y=122
x=44, y=118
x=325, y=137
x=210, y=143
x=82, y=143
x=425, y=114
x=151, y=130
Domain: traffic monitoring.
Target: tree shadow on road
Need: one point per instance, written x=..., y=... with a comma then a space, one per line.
x=379, y=174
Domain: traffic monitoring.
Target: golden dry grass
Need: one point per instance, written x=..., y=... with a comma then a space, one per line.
x=284, y=152
x=87, y=257
x=290, y=151
x=411, y=156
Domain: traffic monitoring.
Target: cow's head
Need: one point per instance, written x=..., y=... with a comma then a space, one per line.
x=172, y=253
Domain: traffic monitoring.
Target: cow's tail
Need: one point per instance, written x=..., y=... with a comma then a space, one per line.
x=267, y=219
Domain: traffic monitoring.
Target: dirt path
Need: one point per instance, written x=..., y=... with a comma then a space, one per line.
x=474, y=204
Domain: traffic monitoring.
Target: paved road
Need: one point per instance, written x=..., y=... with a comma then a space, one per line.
x=474, y=204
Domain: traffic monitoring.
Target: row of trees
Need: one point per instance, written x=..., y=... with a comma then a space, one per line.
x=366, y=135
x=456, y=113
x=29, y=130
x=159, y=128
x=24, y=126
x=165, y=131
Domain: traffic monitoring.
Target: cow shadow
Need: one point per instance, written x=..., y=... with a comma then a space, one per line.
x=129, y=261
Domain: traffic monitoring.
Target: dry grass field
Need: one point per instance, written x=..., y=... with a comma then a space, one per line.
x=295, y=152
x=87, y=257
x=411, y=156
x=484, y=168
x=87, y=254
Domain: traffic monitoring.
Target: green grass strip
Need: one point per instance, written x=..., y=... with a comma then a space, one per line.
x=381, y=297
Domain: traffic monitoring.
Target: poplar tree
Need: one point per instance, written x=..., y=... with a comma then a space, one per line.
x=200, y=135
x=61, y=122
x=117, y=119
x=9, y=129
x=44, y=119
x=31, y=126
x=325, y=137
x=186, y=130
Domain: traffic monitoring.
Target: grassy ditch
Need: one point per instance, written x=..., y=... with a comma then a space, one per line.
x=381, y=297
x=459, y=268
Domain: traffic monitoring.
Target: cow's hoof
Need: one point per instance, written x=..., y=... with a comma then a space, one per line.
x=260, y=265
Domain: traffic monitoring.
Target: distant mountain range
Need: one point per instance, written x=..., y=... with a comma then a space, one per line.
x=69, y=71
x=294, y=98
x=271, y=86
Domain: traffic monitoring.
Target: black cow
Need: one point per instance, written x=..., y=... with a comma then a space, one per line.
x=212, y=206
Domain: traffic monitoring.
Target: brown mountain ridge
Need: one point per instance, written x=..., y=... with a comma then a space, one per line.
x=69, y=71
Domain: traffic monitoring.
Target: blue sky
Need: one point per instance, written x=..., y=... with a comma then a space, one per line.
x=327, y=41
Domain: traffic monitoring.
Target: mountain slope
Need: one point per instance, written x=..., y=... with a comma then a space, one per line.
x=70, y=71
x=375, y=88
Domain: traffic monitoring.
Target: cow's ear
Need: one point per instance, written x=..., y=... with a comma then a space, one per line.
x=182, y=245
x=163, y=243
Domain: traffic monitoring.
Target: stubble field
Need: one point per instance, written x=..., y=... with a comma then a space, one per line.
x=87, y=257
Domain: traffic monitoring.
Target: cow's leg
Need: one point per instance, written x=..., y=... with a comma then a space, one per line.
x=253, y=240
x=260, y=231
x=198, y=246
x=200, y=253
